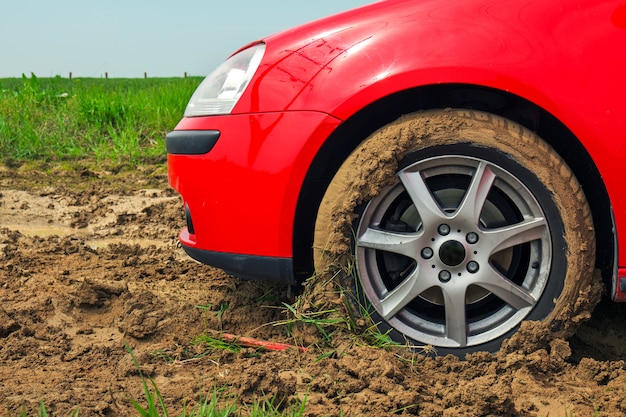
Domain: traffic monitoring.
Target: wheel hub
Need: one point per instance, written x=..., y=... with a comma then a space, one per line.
x=452, y=253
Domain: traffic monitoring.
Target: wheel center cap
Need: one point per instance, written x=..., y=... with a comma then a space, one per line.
x=452, y=253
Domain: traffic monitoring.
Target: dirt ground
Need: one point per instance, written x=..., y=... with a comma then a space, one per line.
x=89, y=264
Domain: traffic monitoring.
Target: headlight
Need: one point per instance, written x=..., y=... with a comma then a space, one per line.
x=220, y=90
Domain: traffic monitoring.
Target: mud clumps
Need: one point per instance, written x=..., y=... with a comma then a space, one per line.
x=95, y=293
x=7, y=325
x=141, y=315
x=570, y=317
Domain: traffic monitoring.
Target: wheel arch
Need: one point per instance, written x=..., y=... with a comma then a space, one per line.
x=359, y=126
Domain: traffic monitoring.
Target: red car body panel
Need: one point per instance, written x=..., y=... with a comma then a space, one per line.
x=245, y=195
x=567, y=57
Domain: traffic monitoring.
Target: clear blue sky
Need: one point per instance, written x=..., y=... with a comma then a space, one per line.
x=127, y=37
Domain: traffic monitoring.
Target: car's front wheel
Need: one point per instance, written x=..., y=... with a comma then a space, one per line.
x=460, y=225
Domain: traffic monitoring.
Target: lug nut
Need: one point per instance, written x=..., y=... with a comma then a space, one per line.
x=443, y=229
x=445, y=276
x=472, y=267
x=427, y=253
x=471, y=238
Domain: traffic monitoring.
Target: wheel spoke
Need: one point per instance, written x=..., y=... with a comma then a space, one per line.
x=420, y=194
x=454, y=303
x=514, y=295
x=402, y=243
x=516, y=234
x=476, y=194
x=403, y=294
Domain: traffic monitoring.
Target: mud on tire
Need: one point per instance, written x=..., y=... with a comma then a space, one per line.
x=456, y=226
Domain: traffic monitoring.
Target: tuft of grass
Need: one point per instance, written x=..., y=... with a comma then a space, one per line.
x=322, y=320
x=269, y=408
x=352, y=314
x=58, y=119
x=212, y=343
x=216, y=404
x=219, y=313
x=152, y=399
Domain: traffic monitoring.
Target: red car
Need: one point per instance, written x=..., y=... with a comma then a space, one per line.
x=461, y=161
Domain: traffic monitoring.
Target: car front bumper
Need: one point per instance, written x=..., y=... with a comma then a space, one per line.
x=240, y=178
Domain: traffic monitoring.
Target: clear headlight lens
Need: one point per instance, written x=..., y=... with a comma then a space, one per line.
x=220, y=90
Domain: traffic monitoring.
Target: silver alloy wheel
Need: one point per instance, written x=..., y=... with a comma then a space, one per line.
x=456, y=254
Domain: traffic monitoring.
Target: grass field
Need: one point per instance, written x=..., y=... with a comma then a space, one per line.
x=118, y=120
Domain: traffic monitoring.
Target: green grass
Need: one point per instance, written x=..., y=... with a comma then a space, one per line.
x=216, y=404
x=59, y=119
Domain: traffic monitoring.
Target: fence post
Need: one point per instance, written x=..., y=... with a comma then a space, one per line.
x=70, y=75
x=145, y=75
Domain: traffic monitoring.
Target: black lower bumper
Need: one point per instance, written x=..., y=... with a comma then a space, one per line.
x=247, y=266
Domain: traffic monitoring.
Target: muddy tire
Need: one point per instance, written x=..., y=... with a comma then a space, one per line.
x=455, y=226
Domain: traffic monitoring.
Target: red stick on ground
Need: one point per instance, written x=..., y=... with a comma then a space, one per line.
x=255, y=343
